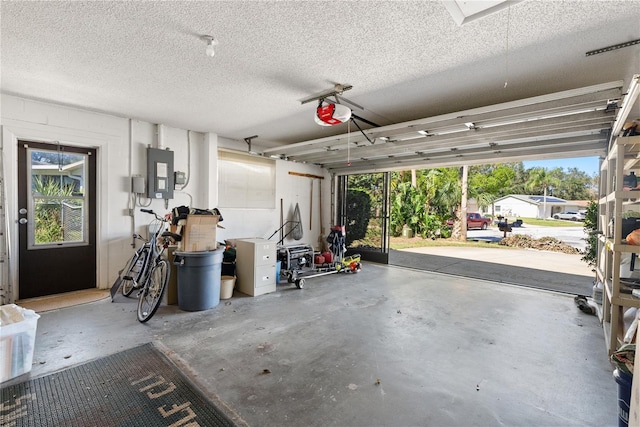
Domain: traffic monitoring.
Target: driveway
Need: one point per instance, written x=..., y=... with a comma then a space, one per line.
x=547, y=270
x=553, y=271
x=572, y=236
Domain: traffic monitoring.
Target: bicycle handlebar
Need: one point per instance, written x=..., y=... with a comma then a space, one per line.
x=149, y=211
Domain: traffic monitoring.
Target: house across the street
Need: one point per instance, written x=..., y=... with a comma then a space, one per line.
x=523, y=205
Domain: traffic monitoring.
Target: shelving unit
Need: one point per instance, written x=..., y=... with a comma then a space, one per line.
x=616, y=203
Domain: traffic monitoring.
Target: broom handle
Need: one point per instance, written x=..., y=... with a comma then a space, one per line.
x=320, y=194
x=311, y=206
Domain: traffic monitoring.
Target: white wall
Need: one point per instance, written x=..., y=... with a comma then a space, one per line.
x=292, y=189
x=121, y=145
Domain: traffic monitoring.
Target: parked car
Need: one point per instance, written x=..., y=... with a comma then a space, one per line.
x=474, y=220
x=570, y=215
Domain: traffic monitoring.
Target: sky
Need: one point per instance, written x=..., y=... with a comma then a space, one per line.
x=589, y=165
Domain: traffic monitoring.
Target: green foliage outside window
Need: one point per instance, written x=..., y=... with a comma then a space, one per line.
x=410, y=207
x=48, y=212
x=437, y=194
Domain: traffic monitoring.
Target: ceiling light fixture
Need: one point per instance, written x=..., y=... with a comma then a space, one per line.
x=211, y=43
x=463, y=12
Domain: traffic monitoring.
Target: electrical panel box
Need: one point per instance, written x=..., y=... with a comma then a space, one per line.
x=159, y=174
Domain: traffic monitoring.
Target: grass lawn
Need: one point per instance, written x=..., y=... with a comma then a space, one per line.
x=548, y=222
x=418, y=242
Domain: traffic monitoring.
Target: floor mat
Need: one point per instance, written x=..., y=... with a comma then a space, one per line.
x=533, y=278
x=137, y=387
x=68, y=299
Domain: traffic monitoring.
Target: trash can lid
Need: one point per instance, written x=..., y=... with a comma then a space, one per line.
x=199, y=253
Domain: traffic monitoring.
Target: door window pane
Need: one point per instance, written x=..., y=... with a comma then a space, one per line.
x=58, y=198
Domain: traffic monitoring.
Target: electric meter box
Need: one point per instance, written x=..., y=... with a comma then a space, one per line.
x=160, y=179
x=138, y=185
x=180, y=178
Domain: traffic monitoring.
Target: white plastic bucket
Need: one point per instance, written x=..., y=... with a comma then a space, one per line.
x=227, y=283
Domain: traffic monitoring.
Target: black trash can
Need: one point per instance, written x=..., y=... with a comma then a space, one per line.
x=198, y=279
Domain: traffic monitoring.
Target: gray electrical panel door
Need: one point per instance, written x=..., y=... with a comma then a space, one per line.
x=159, y=174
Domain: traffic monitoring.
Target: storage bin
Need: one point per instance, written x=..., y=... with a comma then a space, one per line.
x=278, y=268
x=624, y=396
x=17, y=340
x=629, y=269
x=228, y=268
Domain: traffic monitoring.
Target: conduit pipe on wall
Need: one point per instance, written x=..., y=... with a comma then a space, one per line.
x=160, y=136
x=188, y=160
x=181, y=190
x=132, y=197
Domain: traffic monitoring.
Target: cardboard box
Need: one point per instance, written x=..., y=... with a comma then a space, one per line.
x=199, y=233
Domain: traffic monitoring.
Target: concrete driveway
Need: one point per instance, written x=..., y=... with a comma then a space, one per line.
x=573, y=236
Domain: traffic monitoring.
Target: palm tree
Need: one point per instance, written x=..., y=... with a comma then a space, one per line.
x=541, y=179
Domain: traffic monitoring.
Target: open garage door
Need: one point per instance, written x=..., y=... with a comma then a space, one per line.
x=363, y=208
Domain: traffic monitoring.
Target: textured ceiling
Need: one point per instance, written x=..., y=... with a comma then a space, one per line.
x=406, y=60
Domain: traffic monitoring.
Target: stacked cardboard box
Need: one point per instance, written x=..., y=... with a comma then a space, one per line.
x=198, y=233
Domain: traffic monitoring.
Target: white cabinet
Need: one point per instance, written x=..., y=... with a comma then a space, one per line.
x=256, y=266
x=617, y=204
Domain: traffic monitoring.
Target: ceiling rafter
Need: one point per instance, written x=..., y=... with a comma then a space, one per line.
x=574, y=121
x=586, y=150
x=593, y=122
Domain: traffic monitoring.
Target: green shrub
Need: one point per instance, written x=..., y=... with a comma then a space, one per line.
x=590, y=226
x=410, y=206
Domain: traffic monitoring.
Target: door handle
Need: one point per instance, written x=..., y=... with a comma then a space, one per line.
x=22, y=211
x=23, y=220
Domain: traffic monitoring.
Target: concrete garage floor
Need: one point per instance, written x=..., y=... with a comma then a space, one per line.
x=387, y=346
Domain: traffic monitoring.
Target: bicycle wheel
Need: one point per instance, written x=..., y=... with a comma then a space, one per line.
x=153, y=289
x=131, y=277
x=122, y=274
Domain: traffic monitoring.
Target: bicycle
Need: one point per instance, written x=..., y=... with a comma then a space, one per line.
x=147, y=271
x=130, y=276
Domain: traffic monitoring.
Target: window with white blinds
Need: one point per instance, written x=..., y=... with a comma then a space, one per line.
x=246, y=181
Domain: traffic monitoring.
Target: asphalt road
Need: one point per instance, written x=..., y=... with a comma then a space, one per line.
x=573, y=236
